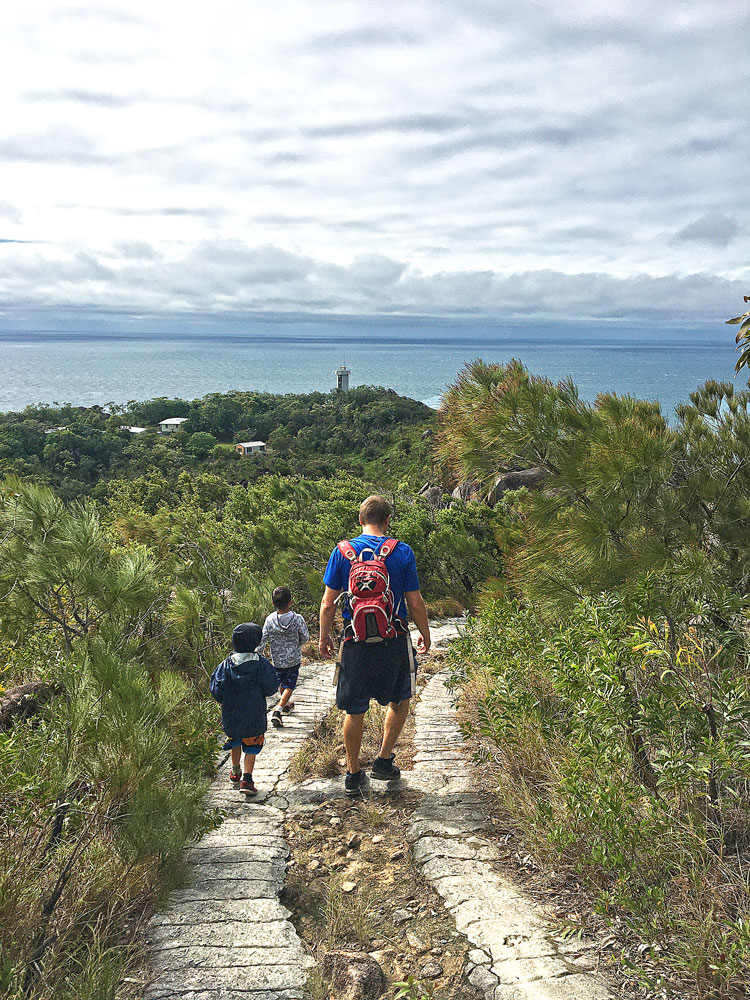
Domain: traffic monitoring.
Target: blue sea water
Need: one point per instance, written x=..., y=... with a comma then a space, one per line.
x=85, y=367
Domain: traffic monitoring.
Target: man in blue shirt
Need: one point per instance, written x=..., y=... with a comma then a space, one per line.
x=381, y=670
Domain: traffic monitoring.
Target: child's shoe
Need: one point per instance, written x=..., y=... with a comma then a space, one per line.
x=235, y=776
x=288, y=707
x=247, y=785
x=276, y=719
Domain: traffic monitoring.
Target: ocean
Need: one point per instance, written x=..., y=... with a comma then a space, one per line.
x=416, y=360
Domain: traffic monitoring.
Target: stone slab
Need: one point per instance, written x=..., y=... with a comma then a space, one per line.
x=266, y=934
x=294, y=993
x=428, y=849
x=263, y=871
x=231, y=855
x=236, y=956
x=225, y=911
x=257, y=978
x=573, y=987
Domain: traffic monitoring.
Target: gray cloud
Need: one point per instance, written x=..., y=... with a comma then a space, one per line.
x=232, y=278
x=93, y=97
x=135, y=250
x=89, y=12
x=713, y=227
x=55, y=145
x=171, y=211
x=400, y=123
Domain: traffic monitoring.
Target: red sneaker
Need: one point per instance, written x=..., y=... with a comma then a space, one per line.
x=235, y=776
x=248, y=787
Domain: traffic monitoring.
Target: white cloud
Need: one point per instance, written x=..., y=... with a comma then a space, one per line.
x=481, y=158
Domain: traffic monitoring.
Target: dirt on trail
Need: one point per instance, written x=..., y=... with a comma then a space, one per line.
x=351, y=883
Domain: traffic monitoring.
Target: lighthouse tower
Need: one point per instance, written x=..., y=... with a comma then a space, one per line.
x=342, y=374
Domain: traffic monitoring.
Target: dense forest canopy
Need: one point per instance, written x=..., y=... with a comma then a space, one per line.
x=368, y=431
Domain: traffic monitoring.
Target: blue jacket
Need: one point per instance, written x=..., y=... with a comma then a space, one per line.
x=241, y=684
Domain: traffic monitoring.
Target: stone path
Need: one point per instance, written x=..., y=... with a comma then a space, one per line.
x=226, y=935
x=516, y=956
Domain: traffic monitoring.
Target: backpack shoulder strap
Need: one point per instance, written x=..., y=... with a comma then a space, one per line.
x=347, y=550
x=387, y=547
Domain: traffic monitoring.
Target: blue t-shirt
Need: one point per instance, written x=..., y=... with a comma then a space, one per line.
x=401, y=566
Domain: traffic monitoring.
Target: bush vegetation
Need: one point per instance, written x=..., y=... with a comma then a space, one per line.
x=609, y=669
x=101, y=789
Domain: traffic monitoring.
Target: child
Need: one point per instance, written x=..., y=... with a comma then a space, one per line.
x=241, y=683
x=285, y=631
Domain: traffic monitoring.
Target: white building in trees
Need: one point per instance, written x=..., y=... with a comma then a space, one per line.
x=171, y=424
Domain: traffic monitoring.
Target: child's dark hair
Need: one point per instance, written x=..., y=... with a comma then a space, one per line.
x=281, y=597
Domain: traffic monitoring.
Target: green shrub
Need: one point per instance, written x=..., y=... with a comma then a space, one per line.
x=623, y=757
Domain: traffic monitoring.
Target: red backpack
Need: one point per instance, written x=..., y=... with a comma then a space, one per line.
x=369, y=594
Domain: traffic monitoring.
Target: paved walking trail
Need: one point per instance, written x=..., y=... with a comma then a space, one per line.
x=515, y=955
x=227, y=937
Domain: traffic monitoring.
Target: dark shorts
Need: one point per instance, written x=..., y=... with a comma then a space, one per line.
x=288, y=678
x=379, y=670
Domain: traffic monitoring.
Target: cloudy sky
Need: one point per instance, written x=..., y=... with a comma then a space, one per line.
x=506, y=160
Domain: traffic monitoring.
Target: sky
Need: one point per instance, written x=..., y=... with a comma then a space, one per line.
x=481, y=159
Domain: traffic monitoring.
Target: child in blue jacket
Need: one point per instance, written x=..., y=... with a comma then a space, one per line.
x=241, y=683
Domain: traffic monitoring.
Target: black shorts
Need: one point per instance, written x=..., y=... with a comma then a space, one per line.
x=379, y=670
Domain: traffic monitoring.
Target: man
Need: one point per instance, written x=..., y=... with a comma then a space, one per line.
x=380, y=670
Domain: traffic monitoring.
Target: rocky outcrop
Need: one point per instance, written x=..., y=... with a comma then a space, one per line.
x=532, y=479
x=467, y=491
x=23, y=701
x=435, y=495
x=504, y=481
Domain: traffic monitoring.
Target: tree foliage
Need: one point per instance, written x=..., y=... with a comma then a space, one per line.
x=627, y=499
x=610, y=668
x=743, y=338
x=370, y=432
